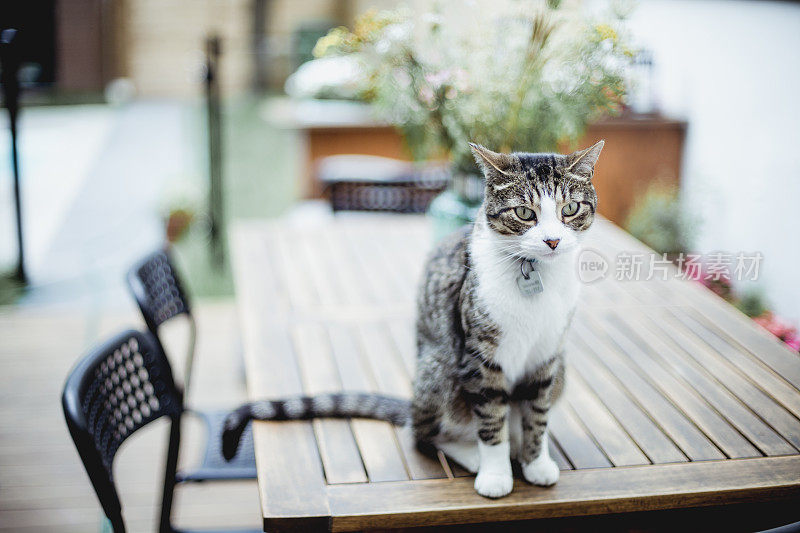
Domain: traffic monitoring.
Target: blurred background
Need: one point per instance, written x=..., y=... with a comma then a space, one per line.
x=144, y=122
x=113, y=127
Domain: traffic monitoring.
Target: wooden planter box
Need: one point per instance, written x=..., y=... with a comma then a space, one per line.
x=638, y=150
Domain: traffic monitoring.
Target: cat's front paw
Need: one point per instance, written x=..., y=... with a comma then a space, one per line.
x=542, y=471
x=494, y=484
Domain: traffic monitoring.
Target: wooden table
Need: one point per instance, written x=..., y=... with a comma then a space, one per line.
x=674, y=398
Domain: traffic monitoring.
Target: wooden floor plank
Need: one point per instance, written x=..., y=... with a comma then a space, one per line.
x=354, y=291
x=314, y=270
x=419, y=466
x=651, y=361
x=404, y=337
x=338, y=450
x=649, y=436
x=672, y=420
x=384, y=253
x=385, y=362
x=43, y=486
x=287, y=273
x=557, y=455
x=416, y=240
x=369, y=269
x=759, y=342
x=294, y=486
x=391, y=378
x=407, y=255
x=576, y=443
x=320, y=256
x=784, y=423
x=748, y=366
x=613, y=439
x=376, y=440
x=738, y=415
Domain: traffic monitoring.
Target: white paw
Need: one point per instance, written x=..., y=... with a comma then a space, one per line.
x=494, y=484
x=541, y=471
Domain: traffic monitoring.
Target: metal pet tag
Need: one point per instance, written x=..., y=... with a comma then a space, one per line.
x=530, y=282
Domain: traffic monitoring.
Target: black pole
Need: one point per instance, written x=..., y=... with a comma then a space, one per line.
x=9, y=57
x=260, y=79
x=214, y=146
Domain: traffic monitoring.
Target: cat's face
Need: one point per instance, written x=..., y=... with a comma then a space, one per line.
x=539, y=204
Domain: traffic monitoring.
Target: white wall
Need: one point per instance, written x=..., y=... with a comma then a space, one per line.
x=732, y=70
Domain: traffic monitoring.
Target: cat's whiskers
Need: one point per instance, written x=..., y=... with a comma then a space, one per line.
x=508, y=254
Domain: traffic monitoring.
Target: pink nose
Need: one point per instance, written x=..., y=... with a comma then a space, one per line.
x=552, y=243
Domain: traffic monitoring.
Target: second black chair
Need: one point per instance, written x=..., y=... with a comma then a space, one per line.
x=156, y=286
x=111, y=393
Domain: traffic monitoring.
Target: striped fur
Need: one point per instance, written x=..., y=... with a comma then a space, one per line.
x=491, y=361
x=334, y=405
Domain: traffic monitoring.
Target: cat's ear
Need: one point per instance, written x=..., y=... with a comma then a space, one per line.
x=582, y=162
x=490, y=162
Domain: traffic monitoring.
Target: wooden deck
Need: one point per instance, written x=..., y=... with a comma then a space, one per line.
x=674, y=399
x=43, y=486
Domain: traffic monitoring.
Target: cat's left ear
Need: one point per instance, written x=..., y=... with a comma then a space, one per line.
x=582, y=162
x=490, y=162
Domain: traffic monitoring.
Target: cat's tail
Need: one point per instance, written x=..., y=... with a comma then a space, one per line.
x=335, y=405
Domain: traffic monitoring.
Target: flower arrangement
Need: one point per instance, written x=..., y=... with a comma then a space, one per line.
x=750, y=303
x=511, y=75
x=660, y=220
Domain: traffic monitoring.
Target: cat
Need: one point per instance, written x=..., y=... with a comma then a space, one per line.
x=494, y=306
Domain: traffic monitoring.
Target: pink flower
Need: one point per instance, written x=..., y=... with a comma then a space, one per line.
x=793, y=343
x=780, y=328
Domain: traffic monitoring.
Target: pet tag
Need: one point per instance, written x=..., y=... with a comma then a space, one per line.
x=530, y=282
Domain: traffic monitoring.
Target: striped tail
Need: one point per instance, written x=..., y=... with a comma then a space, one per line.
x=335, y=405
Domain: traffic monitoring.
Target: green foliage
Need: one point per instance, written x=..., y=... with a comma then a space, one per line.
x=525, y=77
x=752, y=303
x=660, y=220
x=10, y=288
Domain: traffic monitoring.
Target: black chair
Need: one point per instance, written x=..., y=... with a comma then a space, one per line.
x=110, y=394
x=374, y=183
x=157, y=289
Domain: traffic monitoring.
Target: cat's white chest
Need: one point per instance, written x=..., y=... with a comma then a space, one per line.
x=532, y=326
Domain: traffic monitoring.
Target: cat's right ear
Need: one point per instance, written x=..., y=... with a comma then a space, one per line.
x=490, y=162
x=582, y=162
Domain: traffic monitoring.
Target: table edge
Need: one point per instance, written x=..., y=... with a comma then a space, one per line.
x=529, y=502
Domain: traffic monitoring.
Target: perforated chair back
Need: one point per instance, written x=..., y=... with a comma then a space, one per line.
x=110, y=394
x=157, y=289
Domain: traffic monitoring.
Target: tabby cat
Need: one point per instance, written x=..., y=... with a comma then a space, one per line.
x=494, y=306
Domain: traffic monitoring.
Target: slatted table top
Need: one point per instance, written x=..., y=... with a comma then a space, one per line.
x=674, y=398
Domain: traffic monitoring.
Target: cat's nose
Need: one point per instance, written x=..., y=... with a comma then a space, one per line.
x=552, y=243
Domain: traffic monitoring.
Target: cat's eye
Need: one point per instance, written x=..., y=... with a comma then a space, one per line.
x=524, y=213
x=570, y=209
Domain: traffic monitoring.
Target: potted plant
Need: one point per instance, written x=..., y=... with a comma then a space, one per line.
x=517, y=76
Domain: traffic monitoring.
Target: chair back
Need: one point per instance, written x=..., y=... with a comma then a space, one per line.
x=157, y=289
x=111, y=393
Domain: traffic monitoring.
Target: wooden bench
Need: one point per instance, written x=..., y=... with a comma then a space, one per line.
x=674, y=398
